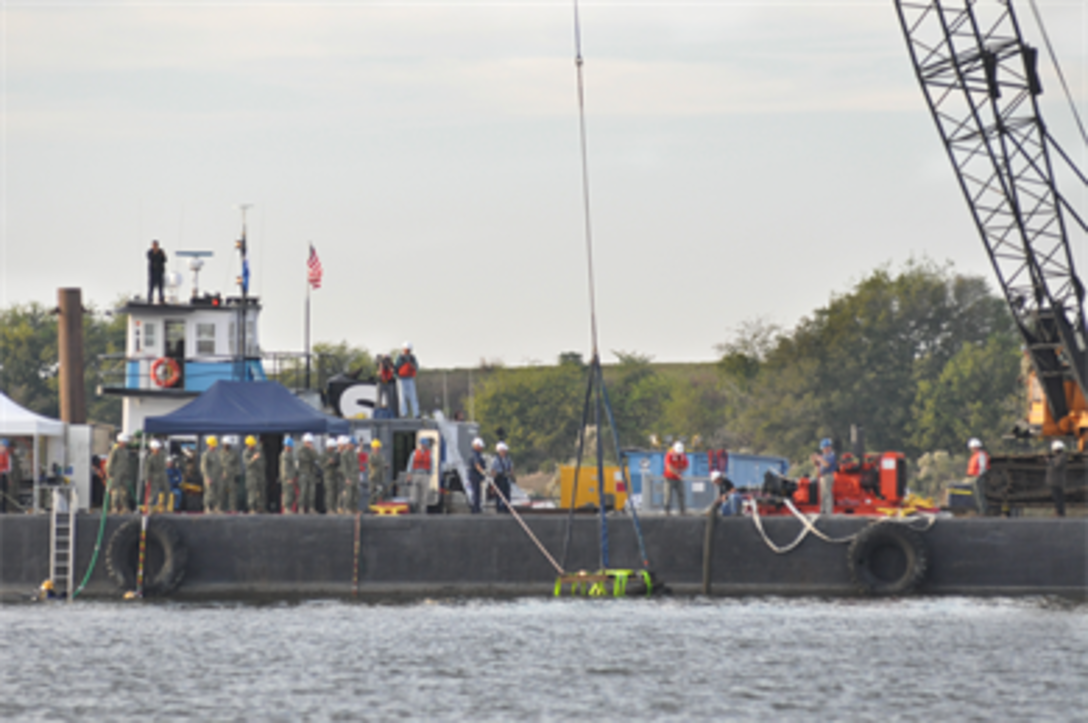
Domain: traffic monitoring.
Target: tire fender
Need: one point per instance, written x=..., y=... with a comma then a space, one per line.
x=888, y=558
x=123, y=546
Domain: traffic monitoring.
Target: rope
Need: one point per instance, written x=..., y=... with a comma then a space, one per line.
x=94, y=555
x=626, y=480
x=1058, y=68
x=525, y=527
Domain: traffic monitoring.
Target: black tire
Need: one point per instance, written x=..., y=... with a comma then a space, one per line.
x=165, y=561
x=887, y=558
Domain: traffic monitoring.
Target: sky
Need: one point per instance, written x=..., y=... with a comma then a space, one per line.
x=746, y=160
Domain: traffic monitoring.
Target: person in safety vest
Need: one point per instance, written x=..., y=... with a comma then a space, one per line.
x=308, y=471
x=407, y=367
x=676, y=462
x=827, y=464
x=349, y=470
x=288, y=478
x=422, y=461
x=155, y=474
x=5, y=472
x=387, y=385
x=376, y=472
x=977, y=466
x=117, y=466
x=255, y=477
x=211, y=469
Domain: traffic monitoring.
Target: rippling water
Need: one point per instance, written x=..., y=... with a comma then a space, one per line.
x=768, y=659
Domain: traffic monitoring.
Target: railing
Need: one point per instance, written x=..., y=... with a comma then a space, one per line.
x=118, y=371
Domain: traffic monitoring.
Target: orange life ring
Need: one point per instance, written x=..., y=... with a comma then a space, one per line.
x=165, y=372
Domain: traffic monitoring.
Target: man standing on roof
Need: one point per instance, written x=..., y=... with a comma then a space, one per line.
x=307, y=474
x=376, y=472
x=977, y=466
x=117, y=466
x=827, y=464
x=211, y=469
x=676, y=463
x=477, y=470
x=156, y=270
x=255, y=477
x=407, y=367
x=330, y=466
x=387, y=385
x=288, y=478
x=231, y=470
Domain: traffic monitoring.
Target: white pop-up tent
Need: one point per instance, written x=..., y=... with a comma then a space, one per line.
x=16, y=421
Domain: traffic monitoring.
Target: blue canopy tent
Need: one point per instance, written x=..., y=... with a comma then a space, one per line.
x=246, y=408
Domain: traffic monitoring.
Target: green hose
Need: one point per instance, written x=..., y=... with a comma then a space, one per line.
x=94, y=557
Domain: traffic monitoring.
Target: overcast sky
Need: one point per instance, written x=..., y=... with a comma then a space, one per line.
x=746, y=159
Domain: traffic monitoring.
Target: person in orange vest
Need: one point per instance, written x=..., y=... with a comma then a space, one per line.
x=5, y=471
x=421, y=458
x=978, y=465
x=676, y=463
x=407, y=366
x=387, y=384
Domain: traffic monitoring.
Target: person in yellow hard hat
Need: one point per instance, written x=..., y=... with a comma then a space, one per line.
x=211, y=469
x=376, y=472
x=255, y=481
x=117, y=466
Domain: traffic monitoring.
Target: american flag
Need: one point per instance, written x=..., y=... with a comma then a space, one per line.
x=313, y=266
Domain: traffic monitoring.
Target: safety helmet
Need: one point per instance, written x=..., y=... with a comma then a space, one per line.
x=251, y=441
x=352, y=441
x=123, y=438
x=288, y=442
x=715, y=476
x=229, y=439
x=1057, y=445
x=426, y=441
x=4, y=443
x=155, y=444
x=501, y=447
x=211, y=441
x=678, y=448
x=825, y=442
x=307, y=438
x=47, y=585
x=477, y=443
x=407, y=346
x=974, y=443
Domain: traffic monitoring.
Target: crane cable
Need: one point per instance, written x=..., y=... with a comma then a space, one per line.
x=1058, y=68
x=585, y=178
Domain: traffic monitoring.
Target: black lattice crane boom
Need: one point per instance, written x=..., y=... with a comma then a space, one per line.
x=981, y=82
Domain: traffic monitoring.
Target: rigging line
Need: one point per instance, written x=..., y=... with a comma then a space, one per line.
x=1058, y=68
x=585, y=177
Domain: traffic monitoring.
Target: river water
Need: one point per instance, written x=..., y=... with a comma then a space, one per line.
x=538, y=659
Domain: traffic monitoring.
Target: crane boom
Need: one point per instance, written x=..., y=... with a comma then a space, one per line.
x=981, y=83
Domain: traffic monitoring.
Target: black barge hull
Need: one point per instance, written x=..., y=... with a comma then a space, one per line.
x=438, y=556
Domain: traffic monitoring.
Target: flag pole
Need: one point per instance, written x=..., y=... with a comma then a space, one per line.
x=308, y=285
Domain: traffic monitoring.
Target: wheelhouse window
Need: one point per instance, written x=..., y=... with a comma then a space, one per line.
x=150, y=338
x=205, y=339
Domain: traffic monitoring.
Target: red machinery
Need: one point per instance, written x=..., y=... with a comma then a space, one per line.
x=866, y=486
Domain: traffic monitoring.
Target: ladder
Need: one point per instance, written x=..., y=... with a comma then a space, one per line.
x=62, y=539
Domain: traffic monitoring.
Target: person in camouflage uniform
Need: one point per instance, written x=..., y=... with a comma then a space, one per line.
x=349, y=468
x=289, y=477
x=255, y=481
x=307, y=474
x=211, y=469
x=155, y=474
x=230, y=469
x=117, y=465
x=330, y=464
x=376, y=472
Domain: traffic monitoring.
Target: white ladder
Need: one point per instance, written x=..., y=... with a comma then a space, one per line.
x=62, y=539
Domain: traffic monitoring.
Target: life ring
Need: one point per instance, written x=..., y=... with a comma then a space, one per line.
x=165, y=372
x=164, y=566
x=887, y=558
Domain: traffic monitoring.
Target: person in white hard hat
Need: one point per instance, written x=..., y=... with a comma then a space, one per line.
x=477, y=471
x=117, y=472
x=676, y=463
x=407, y=367
x=502, y=474
x=155, y=475
x=1055, y=475
x=308, y=472
x=977, y=466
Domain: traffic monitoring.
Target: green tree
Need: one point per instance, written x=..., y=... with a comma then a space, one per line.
x=638, y=396
x=327, y=360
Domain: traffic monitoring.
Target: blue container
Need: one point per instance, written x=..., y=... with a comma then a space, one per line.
x=746, y=470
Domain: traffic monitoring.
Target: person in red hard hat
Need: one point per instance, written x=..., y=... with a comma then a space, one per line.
x=676, y=463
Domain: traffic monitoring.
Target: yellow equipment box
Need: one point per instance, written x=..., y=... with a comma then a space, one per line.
x=587, y=496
